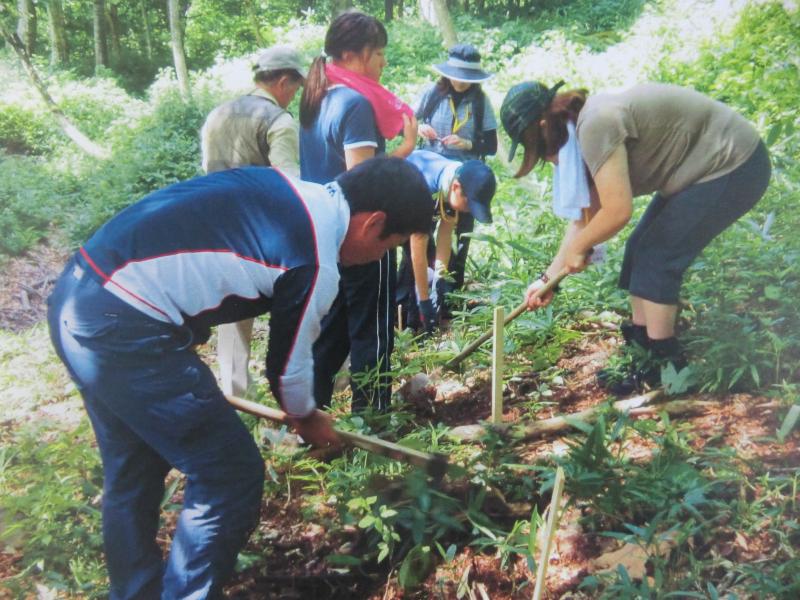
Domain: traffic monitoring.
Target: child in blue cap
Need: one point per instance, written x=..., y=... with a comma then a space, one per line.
x=456, y=188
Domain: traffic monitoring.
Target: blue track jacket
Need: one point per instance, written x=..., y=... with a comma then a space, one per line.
x=227, y=247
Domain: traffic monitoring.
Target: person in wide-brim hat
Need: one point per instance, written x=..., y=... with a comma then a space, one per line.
x=456, y=120
x=463, y=64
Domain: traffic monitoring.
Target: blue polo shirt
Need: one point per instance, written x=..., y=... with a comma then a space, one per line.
x=437, y=170
x=345, y=121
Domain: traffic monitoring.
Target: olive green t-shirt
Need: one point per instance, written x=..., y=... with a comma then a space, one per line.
x=674, y=136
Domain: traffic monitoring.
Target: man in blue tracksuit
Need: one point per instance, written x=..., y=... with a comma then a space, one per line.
x=147, y=287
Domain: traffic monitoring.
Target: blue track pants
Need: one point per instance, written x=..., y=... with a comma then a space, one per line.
x=155, y=405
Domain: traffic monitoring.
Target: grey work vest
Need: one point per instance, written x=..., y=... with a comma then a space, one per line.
x=235, y=133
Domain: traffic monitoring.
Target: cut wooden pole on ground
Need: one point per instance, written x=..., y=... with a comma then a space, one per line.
x=636, y=406
x=547, y=287
x=549, y=534
x=434, y=464
x=497, y=367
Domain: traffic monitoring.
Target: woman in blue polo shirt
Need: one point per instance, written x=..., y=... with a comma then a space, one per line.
x=345, y=118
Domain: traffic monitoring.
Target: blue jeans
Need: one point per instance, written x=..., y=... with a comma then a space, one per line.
x=155, y=405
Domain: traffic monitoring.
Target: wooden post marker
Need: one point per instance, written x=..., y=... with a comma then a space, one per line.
x=549, y=534
x=455, y=361
x=497, y=366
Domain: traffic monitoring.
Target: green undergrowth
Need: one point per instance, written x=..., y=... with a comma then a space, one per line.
x=739, y=320
x=739, y=316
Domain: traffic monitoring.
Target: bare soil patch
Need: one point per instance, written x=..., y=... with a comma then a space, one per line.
x=26, y=283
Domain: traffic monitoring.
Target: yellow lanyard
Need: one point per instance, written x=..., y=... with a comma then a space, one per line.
x=456, y=123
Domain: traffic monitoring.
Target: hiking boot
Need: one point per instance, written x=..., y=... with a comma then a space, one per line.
x=633, y=335
x=661, y=353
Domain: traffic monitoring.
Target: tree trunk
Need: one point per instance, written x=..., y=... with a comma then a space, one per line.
x=100, y=35
x=83, y=142
x=148, y=40
x=480, y=6
x=437, y=13
x=252, y=18
x=26, y=25
x=114, y=31
x=178, y=55
x=388, y=10
x=339, y=6
x=58, y=37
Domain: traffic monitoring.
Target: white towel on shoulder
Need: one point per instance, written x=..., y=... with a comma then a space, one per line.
x=570, y=184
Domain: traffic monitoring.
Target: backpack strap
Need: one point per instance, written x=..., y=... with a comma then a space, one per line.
x=432, y=100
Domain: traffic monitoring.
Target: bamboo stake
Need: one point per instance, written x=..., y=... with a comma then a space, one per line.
x=549, y=533
x=497, y=367
x=547, y=287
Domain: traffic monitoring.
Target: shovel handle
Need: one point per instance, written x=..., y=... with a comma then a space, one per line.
x=370, y=443
x=547, y=287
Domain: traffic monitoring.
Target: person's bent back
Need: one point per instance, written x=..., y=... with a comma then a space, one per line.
x=131, y=305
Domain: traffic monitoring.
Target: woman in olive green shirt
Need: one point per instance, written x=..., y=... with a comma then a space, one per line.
x=705, y=163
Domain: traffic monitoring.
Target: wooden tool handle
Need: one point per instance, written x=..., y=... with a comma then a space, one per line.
x=430, y=462
x=547, y=287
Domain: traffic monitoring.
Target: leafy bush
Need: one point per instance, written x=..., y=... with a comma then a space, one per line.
x=33, y=197
x=23, y=131
x=55, y=506
x=93, y=105
x=163, y=148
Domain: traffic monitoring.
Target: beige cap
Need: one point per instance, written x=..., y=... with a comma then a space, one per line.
x=279, y=57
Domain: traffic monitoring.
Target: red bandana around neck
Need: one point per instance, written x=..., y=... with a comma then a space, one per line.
x=389, y=109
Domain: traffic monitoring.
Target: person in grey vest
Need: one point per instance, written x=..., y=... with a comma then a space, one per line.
x=253, y=130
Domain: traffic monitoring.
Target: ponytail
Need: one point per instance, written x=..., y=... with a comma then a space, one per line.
x=351, y=31
x=313, y=92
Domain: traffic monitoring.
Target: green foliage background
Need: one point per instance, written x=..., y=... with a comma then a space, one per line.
x=740, y=299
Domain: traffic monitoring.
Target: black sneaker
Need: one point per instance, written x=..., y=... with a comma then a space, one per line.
x=635, y=382
x=634, y=336
x=660, y=354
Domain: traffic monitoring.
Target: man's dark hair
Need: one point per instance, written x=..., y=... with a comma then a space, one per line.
x=270, y=76
x=391, y=185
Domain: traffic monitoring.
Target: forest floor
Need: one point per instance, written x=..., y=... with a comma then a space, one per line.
x=295, y=568
x=291, y=550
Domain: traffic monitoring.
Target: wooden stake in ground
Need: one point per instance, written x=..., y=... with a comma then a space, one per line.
x=549, y=534
x=497, y=366
x=454, y=362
